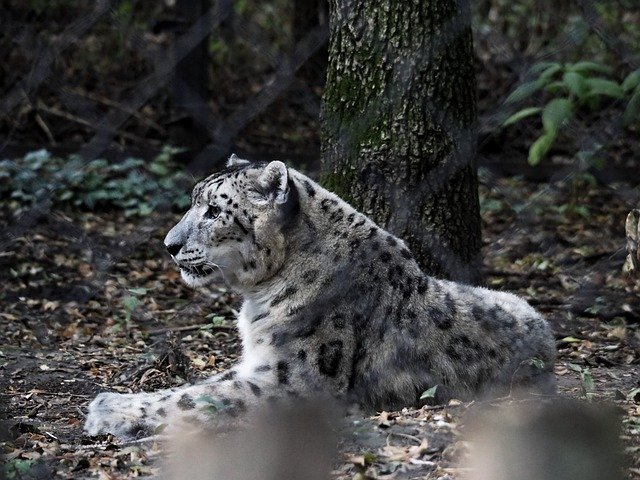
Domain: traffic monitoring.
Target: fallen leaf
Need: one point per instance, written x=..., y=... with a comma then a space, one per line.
x=383, y=420
x=570, y=340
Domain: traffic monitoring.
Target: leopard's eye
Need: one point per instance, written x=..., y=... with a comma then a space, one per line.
x=212, y=212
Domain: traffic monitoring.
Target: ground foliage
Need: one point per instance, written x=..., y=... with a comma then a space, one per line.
x=92, y=303
x=135, y=186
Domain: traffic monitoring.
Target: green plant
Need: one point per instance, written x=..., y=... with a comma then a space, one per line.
x=131, y=301
x=216, y=320
x=429, y=393
x=572, y=86
x=586, y=379
x=17, y=468
x=631, y=87
x=133, y=186
x=210, y=404
x=536, y=362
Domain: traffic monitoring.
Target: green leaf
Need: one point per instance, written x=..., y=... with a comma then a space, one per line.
x=542, y=66
x=536, y=362
x=430, y=393
x=490, y=204
x=217, y=320
x=587, y=67
x=182, y=201
x=574, y=367
x=632, y=81
x=543, y=265
x=570, y=340
x=519, y=115
x=550, y=72
x=587, y=381
x=66, y=195
x=575, y=83
x=130, y=303
x=555, y=115
x=144, y=209
x=127, y=164
x=540, y=148
x=556, y=87
x=211, y=405
x=137, y=291
x=632, y=112
x=159, y=169
x=581, y=210
x=159, y=429
x=205, y=399
x=369, y=458
x=602, y=86
x=36, y=159
x=20, y=466
x=523, y=91
x=167, y=153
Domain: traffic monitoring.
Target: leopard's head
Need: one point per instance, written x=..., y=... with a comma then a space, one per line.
x=236, y=223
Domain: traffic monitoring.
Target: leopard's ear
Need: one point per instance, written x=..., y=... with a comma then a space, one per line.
x=234, y=160
x=272, y=184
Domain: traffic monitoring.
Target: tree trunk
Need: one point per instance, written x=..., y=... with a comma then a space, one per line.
x=399, y=114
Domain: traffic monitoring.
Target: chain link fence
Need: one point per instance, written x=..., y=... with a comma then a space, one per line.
x=118, y=79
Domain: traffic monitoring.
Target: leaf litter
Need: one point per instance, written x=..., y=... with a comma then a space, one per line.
x=92, y=303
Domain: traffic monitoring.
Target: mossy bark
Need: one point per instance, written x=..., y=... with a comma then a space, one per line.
x=398, y=126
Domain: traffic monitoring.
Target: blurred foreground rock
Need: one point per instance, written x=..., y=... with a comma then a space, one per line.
x=279, y=444
x=559, y=441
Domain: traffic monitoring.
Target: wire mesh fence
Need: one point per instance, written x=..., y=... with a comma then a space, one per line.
x=64, y=88
x=212, y=77
x=118, y=79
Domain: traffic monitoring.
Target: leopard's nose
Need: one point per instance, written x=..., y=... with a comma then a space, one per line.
x=174, y=248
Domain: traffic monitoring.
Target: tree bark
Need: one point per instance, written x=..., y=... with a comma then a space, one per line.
x=399, y=125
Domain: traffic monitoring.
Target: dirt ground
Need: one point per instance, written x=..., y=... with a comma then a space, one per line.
x=91, y=302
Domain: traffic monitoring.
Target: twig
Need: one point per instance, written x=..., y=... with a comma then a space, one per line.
x=119, y=106
x=63, y=114
x=222, y=328
x=133, y=374
x=86, y=123
x=404, y=435
x=43, y=125
x=152, y=438
x=435, y=407
x=40, y=392
x=102, y=446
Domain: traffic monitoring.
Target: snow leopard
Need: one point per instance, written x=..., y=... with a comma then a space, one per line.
x=332, y=303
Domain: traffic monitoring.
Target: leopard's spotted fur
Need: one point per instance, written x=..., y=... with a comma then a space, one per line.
x=332, y=303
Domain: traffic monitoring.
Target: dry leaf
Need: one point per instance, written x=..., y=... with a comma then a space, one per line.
x=383, y=420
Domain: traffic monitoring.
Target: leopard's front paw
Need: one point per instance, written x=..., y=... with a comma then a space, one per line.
x=123, y=415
